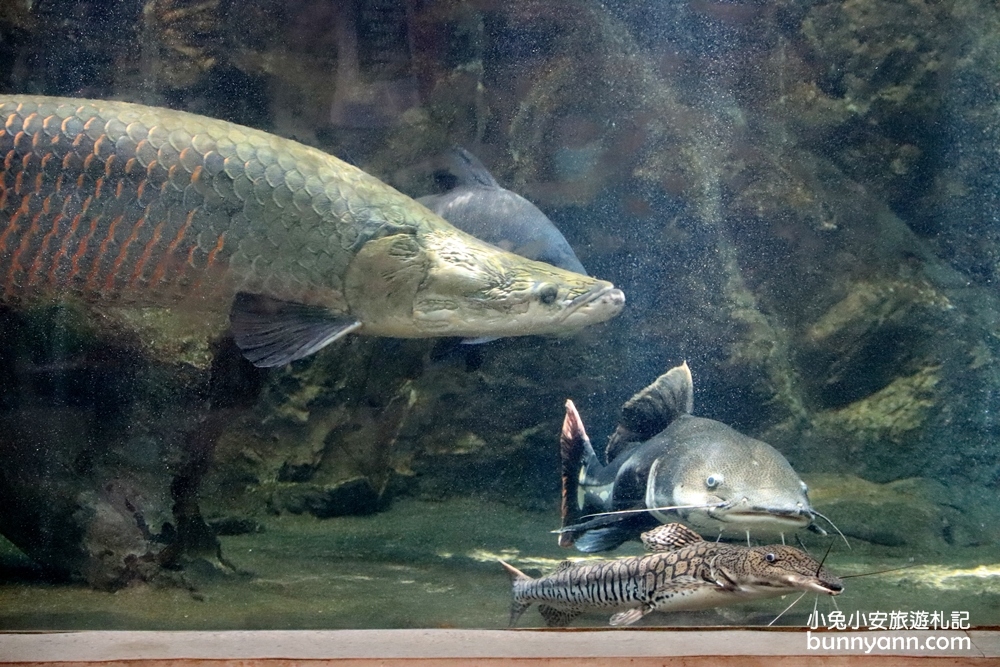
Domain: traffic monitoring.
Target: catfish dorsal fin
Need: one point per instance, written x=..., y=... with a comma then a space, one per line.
x=653, y=409
x=681, y=384
x=271, y=332
x=669, y=537
x=469, y=170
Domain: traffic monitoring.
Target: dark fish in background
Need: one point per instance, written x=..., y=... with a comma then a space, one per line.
x=478, y=205
x=375, y=83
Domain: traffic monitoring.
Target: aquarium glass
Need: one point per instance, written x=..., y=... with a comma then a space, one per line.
x=244, y=385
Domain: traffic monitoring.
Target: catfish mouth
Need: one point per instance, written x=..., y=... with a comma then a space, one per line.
x=788, y=582
x=831, y=587
x=761, y=515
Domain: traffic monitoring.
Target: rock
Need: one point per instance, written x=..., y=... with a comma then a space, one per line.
x=914, y=512
x=105, y=449
x=353, y=497
x=326, y=422
x=235, y=525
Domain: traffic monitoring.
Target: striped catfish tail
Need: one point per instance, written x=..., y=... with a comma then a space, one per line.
x=517, y=606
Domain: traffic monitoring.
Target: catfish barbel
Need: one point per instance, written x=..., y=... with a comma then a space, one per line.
x=121, y=204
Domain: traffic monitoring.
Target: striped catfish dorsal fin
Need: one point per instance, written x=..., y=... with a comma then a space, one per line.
x=563, y=566
x=669, y=537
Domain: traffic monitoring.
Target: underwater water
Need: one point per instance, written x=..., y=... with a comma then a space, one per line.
x=433, y=564
x=246, y=384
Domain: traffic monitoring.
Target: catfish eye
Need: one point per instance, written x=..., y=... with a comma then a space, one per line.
x=713, y=481
x=770, y=557
x=805, y=487
x=548, y=294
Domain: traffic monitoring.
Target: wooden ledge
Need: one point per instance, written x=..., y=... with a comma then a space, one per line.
x=474, y=648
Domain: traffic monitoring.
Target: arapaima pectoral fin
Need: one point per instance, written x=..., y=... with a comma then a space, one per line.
x=271, y=332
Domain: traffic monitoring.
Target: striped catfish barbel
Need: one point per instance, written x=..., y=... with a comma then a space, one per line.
x=685, y=573
x=121, y=204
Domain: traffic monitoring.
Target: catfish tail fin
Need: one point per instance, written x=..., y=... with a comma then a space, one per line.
x=577, y=454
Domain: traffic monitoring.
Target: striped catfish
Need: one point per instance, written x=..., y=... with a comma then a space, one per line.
x=121, y=204
x=684, y=573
